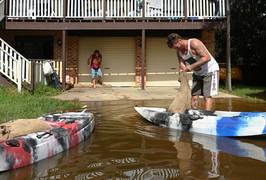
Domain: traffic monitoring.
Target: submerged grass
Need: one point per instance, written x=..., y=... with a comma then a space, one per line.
x=249, y=92
x=14, y=105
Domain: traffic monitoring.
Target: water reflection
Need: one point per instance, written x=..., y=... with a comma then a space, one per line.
x=232, y=146
x=216, y=143
x=92, y=175
x=154, y=173
x=40, y=169
x=188, y=159
x=134, y=173
x=195, y=161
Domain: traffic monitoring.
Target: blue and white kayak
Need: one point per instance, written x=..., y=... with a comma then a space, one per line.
x=218, y=123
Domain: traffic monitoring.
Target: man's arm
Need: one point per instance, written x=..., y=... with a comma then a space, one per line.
x=200, y=51
x=182, y=65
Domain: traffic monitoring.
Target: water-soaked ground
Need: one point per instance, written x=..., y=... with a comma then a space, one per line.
x=124, y=146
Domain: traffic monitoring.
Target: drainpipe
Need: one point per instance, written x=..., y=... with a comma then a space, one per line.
x=64, y=64
x=64, y=58
x=185, y=5
x=228, y=48
x=6, y=7
x=104, y=10
x=64, y=9
x=143, y=9
x=33, y=75
x=143, y=59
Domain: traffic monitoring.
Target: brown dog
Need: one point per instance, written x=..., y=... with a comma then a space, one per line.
x=182, y=100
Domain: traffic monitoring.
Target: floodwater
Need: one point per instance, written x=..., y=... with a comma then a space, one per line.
x=124, y=146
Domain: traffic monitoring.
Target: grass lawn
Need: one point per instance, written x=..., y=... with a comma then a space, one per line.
x=250, y=92
x=14, y=105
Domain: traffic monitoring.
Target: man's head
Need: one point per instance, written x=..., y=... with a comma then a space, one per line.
x=173, y=40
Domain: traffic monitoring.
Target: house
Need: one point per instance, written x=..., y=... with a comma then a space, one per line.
x=130, y=34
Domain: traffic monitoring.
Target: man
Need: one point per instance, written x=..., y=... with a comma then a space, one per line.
x=194, y=56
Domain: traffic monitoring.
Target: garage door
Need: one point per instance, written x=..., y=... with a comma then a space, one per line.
x=162, y=64
x=118, y=59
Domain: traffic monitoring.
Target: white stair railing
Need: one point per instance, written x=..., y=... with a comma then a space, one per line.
x=13, y=65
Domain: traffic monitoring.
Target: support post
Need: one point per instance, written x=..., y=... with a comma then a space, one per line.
x=228, y=48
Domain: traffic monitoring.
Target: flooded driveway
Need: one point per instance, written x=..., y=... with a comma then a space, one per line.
x=124, y=146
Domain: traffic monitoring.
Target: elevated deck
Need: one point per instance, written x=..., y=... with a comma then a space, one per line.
x=113, y=14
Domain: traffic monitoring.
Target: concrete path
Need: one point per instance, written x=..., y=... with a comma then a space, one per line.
x=124, y=93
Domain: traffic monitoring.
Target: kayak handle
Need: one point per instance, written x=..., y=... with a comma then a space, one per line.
x=39, y=136
x=13, y=143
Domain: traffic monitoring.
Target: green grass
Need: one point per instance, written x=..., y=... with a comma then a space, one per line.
x=43, y=90
x=249, y=92
x=14, y=105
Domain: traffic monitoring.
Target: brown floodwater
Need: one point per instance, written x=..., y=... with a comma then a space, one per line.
x=124, y=146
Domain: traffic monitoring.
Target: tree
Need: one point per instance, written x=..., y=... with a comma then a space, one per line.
x=248, y=39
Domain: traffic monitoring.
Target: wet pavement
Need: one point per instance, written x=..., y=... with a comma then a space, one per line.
x=124, y=146
x=124, y=93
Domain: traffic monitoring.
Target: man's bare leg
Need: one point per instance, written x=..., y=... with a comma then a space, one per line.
x=208, y=103
x=194, y=102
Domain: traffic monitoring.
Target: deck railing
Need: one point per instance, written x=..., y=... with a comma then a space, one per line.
x=84, y=8
x=123, y=8
x=36, y=8
x=206, y=8
x=100, y=9
x=165, y=8
x=96, y=8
